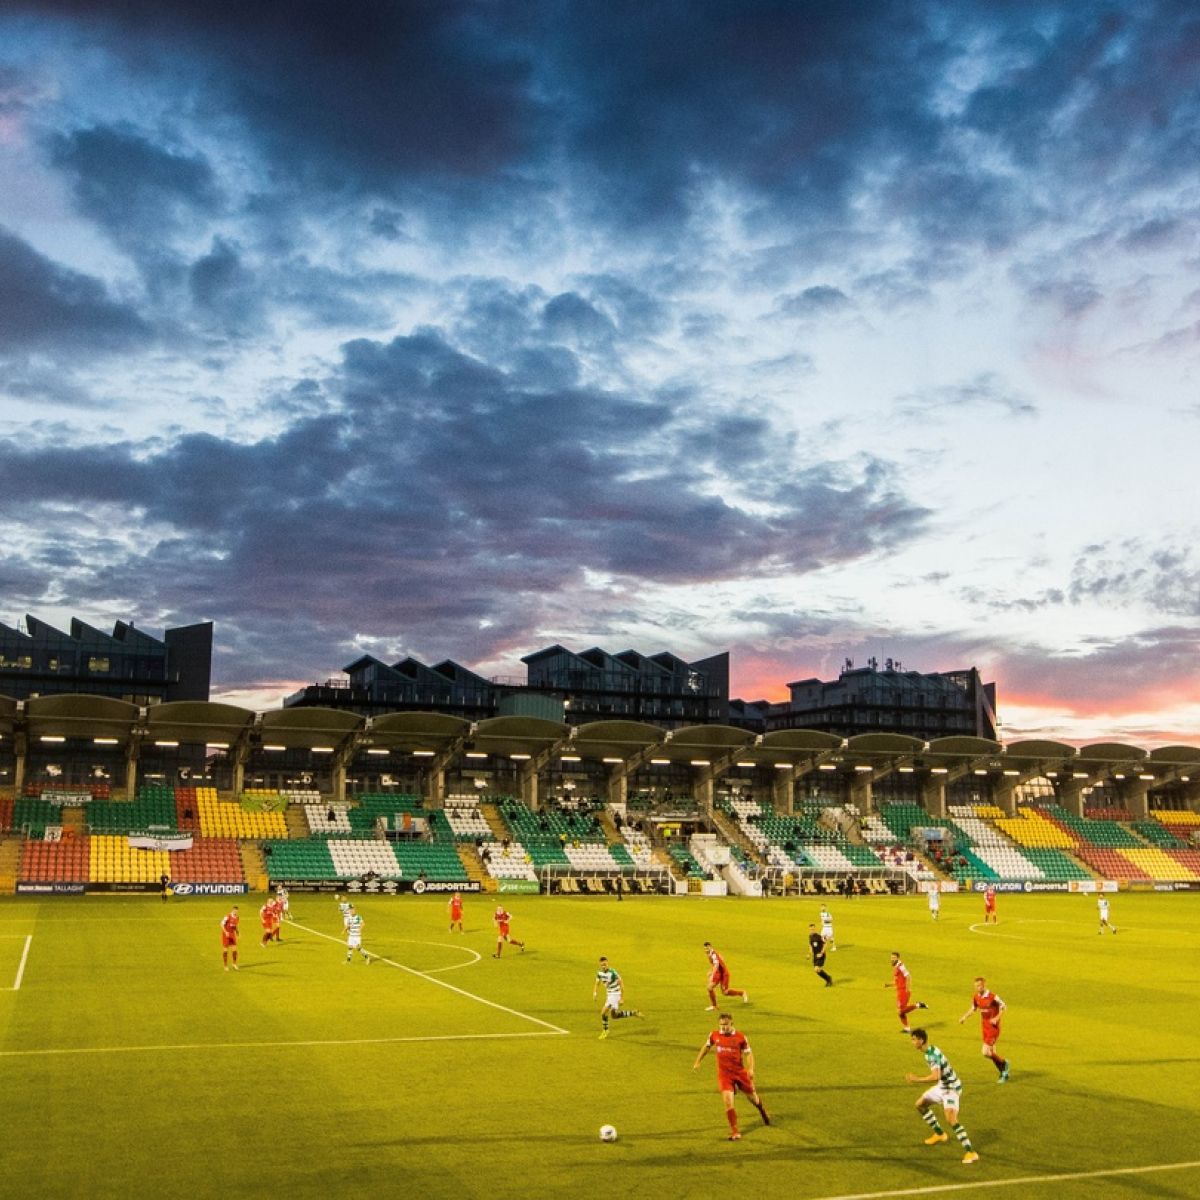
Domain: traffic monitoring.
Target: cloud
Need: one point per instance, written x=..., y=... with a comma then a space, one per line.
x=814, y=302
x=987, y=390
x=46, y=305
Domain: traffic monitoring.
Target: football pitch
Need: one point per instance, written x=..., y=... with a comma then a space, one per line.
x=132, y=1064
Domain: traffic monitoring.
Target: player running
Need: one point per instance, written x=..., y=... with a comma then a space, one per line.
x=989, y=906
x=502, y=917
x=613, y=988
x=934, y=891
x=989, y=1006
x=1102, y=907
x=344, y=907
x=354, y=927
x=827, y=927
x=902, y=982
x=735, y=1070
x=456, y=912
x=816, y=944
x=229, y=937
x=946, y=1091
x=718, y=977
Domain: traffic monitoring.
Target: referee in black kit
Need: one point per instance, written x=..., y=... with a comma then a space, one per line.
x=816, y=943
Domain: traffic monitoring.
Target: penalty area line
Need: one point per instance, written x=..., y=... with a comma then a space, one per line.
x=16, y=984
x=1021, y=1181
x=280, y=1045
x=443, y=984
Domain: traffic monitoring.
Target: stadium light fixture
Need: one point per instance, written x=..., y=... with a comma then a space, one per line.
x=422, y=754
x=520, y=757
x=861, y=767
x=827, y=767
x=167, y=743
x=1146, y=775
x=610, y=759
x=52, y=737
x=701, y=762
x=1118, y=775
x=1185, y=779
x=321, y=749
x=216, y=745
x=744, y=764
x=1079, y=774
x=105, y=741
x=657, y=762
x=906, y=770
x=939, y=770
x=981, y=770
x=561, y=757
x=784, y=766
x=1010, y=771
x=378, y=750
x=275, y=748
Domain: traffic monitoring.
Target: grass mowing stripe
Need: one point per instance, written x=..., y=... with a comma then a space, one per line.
x=279, y=1045
x=1023, y=1181
x=442, y=983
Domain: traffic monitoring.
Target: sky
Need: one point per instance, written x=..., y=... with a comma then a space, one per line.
x=807, y=331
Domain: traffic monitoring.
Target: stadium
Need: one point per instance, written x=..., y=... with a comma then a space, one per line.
x=467, y=1064
x=615, y=390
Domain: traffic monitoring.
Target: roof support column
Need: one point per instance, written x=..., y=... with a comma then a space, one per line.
x=21, y=754
x=617, y=784
x=529, y=785
x=862, y=792
x=1137, y=798
x=703, y=790
x=240, y=754
x=933, y=795
x=1004, y=796
x=783, y=790
x=1191, y=795
x=131, y=768
x=433, y=786
x=1069, y=793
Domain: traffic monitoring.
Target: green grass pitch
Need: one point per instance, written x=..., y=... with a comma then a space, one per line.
x=131, y=1064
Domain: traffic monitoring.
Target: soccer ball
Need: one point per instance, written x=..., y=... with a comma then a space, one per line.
x=608, y=1133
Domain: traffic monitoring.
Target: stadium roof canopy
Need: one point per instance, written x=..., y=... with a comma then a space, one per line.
x=310, y=728
x=80, y=716
x=195, y=721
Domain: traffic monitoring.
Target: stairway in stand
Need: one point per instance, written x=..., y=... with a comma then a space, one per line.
x=491, y=814
x=735, y=837
x=10, y=863
x=297, y=822
x=255, y=866
x=473, y=865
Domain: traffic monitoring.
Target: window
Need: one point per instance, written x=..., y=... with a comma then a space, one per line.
x=20, y=662
x=98, y=664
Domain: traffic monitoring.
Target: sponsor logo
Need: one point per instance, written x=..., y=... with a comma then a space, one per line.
x=28, y=888
x=210, y=889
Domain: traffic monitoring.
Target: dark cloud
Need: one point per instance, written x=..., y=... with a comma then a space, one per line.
x=454, y=498
x=814, y=302
x=45, y=304
x=132, y=185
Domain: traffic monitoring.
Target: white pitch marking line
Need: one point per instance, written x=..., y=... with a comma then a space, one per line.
x=442, y=983
x=16, y=987
x=1019, y=1182
x=388, y=1041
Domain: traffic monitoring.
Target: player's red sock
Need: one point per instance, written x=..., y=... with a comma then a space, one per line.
x=731, y=1117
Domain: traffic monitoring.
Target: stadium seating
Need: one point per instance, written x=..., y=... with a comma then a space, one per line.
x=224, y=819
x=49, y=862
x=466, y=822
x=512, y=861
x=353, y=857
x=437, y=862
x=210, y=860
x=308, y=860
x=114, y=860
